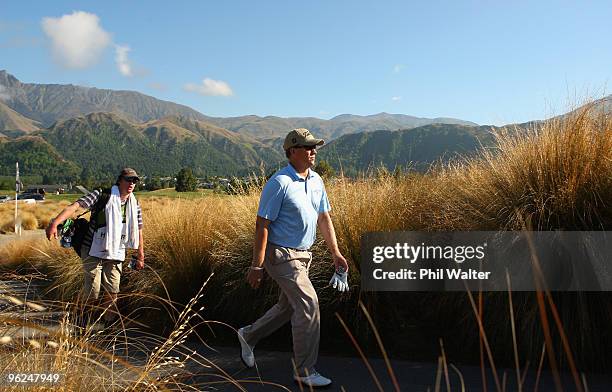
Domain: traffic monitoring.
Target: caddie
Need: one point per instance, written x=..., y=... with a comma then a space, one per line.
x=293, y=203
x=115, y=225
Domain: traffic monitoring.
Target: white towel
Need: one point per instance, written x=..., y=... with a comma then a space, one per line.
x=119, y=235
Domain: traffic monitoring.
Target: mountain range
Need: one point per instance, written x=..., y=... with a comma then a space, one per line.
x=49, y=103
x=103, y=142
x=41, y=105
x=72, y=130
x=272, y=127
x=416, y=148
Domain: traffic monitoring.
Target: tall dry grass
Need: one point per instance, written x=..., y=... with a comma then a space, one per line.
x=33, y=216
x=556, y=175
x=101, y=358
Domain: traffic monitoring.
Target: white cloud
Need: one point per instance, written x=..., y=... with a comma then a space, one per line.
x=397, y=68
x=210, y=87
x=396, y=98
x=121, y=59
x=77, y=39
x=4, y=94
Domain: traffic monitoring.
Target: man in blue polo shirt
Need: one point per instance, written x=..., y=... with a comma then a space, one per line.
x=293, y=203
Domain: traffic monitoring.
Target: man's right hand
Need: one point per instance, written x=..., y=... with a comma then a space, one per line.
x=51, y=231
x=66, y=213
x=254, y=277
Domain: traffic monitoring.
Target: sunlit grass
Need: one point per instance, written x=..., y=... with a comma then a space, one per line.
x=32, y=215
x=94, y=357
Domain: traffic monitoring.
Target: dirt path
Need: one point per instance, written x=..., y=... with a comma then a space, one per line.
x=352, y=374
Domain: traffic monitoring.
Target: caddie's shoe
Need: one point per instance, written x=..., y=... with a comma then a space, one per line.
x=246, y=351
x=313, y=380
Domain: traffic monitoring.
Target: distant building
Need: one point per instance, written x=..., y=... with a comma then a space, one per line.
x=42, y=189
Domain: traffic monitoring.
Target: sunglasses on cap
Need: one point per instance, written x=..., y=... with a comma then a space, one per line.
x=132, y=180
x=309, y=148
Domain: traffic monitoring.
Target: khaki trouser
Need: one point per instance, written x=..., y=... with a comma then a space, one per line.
x=99, y=272
x=297, y=302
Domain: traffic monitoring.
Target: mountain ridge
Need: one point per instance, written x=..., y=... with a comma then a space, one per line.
x=417, y=148
x=99, y=144
x=10, y=120
x=164, y=136
x=274, y=126
x=49, y=103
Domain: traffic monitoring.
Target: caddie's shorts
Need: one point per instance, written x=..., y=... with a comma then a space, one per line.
x=99, y=272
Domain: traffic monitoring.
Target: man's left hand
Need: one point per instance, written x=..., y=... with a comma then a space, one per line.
x=340, y=278
x=254, y=277
x=140, y=262
x=340, y=262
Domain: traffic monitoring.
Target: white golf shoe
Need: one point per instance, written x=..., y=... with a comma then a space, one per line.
x=313, y=380
x=246, y=351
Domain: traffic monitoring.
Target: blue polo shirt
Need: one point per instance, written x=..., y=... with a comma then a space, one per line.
x=293, y=204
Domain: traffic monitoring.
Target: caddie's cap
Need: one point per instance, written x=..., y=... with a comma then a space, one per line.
x=301, y=137
x=128, y=172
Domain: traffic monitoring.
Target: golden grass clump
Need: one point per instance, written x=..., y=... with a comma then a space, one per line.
x=187, y=240
x=557, y=175
x=28, y=221
x=194, y=232
x=33, y=215
x=62, y=267
x=20, y=251
x=382, y=203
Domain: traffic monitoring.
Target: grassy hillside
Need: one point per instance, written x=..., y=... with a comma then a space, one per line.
x=417, y=148
x=104, y=142
x=10, y=120
x=35, y=157
x=48, y=103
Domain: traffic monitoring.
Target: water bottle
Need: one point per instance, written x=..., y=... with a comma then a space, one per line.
x=132, y=263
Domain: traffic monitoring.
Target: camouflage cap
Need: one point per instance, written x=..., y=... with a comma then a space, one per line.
x=128, y=172
x=301, y=137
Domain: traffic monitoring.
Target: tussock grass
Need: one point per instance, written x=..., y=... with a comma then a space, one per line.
x=33, y=216
x=20, y=252
x=556, y=175
x=97, y=358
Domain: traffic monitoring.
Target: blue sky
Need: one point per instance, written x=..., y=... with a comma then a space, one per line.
x=491, y=63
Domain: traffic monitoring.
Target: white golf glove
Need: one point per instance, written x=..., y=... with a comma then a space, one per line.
x=340, y=280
